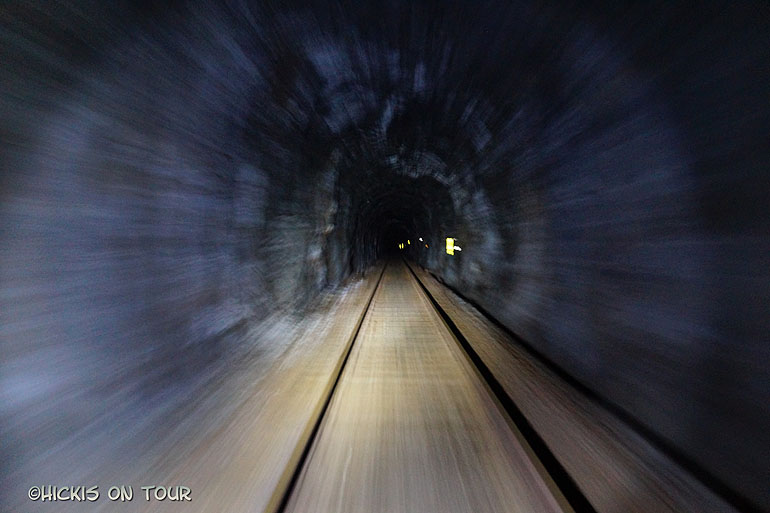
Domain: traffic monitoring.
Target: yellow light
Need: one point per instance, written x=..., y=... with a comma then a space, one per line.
x=450, y=246
x=408, y=241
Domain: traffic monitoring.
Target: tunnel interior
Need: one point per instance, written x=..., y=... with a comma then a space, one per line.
x=179, y=175
x=393, y=213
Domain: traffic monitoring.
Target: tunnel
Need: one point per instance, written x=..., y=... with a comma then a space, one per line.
x=211, y=212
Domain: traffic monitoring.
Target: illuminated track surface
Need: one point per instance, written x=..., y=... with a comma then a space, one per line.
x=412, y=426
x=406, y=399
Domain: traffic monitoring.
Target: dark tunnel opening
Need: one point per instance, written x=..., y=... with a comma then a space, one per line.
x=394, y=210
x=181, y=183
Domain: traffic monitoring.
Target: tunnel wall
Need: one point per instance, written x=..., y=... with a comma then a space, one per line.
x=146, y=238
x=623, y=242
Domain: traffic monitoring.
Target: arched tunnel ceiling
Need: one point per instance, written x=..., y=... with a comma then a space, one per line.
x=176, y=174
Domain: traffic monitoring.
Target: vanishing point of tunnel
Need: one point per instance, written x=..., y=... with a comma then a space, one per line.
x=405, y=256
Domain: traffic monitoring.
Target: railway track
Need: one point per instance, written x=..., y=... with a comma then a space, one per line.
x=415, y=421
x=406, y=399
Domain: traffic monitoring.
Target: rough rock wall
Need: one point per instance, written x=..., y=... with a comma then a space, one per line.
x=157, y=205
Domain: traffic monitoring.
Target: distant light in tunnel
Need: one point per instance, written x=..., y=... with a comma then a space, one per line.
x=458, y=248
x=420, y=239
x=450, y=246
x=426, y=245
x=409, y=242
